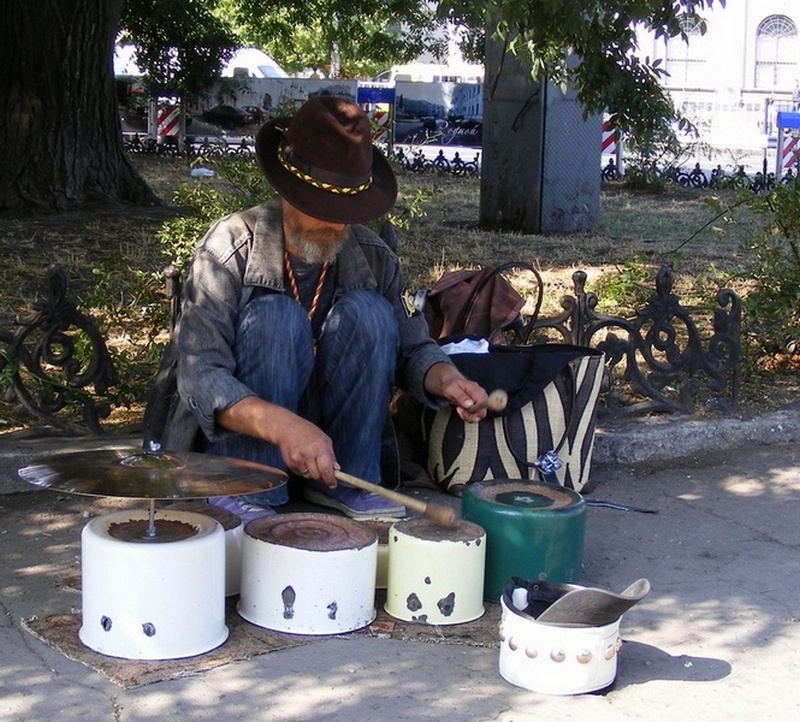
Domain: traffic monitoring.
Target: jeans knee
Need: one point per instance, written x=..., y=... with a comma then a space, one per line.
x=271, y=311
x=272, y=333
x=366, y=317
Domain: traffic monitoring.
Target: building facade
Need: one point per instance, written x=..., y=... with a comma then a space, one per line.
x=732, y=80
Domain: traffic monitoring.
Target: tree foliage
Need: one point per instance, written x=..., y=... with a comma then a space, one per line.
x=184, y=43
x=368, y=35
x=181, y=43
x=591, y=46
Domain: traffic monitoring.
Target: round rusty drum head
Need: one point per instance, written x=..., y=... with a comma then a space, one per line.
x=422, y=528
x=138, y=530
x=312, y=532
x=524, y=494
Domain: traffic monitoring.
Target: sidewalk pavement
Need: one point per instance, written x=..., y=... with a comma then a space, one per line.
x=716, y=638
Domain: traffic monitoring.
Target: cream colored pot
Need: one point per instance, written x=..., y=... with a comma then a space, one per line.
x=435, y=573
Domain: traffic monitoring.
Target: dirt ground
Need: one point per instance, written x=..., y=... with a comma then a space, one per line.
x=108, y=249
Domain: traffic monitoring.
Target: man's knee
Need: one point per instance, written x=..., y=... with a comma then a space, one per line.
x=367, y=315
x=273, y=310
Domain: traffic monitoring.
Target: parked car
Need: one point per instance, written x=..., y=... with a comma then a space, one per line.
x=259, y=114
x=227, y=116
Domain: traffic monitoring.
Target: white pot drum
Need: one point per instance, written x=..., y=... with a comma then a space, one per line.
x=435, y=573
x=233, y=527
x=153, y=597
x=308, y=573
x=555, y=659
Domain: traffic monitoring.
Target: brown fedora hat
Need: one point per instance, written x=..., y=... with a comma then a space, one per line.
x=324, y=163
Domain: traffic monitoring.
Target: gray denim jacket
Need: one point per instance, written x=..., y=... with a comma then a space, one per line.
x=243, y=253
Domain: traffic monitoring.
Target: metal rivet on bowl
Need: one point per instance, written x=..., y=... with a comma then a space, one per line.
x=585, y=656
x=619, y=644
x=531, y=653
x=558, y=655
x=609, y=652
x=512, y=644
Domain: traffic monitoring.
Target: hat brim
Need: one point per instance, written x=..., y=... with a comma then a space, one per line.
x=368, y=205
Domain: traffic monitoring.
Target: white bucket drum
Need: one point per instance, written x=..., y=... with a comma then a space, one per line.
x=153, y=597
x=308, y=573
x=233, y=527
x=553, y=658
x=435, y=572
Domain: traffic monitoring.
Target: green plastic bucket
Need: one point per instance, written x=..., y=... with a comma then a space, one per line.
x=533, y=531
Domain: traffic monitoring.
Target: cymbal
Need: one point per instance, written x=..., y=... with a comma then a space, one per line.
x=135, y=474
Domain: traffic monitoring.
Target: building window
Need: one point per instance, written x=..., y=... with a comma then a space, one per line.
x=776, y=50
x=686, y=62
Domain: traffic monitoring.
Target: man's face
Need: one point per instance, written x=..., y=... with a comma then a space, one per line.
x=313, y=240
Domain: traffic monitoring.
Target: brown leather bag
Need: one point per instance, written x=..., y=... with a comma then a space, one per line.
x=480, y=303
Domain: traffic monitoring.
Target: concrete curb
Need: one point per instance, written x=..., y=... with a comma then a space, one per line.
x=661, y=439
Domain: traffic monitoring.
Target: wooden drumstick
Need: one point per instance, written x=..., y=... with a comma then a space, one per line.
x=495, y=401
x=437, y=513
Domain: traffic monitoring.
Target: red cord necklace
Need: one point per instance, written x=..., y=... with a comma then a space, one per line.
x=293, y=284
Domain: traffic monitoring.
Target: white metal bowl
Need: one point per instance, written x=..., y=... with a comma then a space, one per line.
x=556, y=659
x=233, y=527
x=308, y=573
x=153, y=599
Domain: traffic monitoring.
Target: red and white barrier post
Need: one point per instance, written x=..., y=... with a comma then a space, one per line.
x=788, y=146
x=611, y=144
x=165, y=124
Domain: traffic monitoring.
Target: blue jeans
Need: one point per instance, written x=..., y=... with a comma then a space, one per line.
x=344, y=388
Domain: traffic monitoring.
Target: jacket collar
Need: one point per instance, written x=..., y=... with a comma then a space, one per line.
x=265, y=260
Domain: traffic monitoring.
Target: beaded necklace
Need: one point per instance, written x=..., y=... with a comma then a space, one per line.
x=293, y=284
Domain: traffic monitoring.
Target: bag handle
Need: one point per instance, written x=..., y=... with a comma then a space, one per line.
x=466, y=312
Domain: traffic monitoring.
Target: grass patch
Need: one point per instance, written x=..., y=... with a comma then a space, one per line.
x=114, y=262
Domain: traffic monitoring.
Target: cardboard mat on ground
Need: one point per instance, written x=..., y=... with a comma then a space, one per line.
x=246, y=640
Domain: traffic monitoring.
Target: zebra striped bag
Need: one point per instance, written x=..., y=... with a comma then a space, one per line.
x=546, y=430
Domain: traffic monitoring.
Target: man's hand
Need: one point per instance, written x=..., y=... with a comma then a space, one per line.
x=446, y=380
x=305, y=448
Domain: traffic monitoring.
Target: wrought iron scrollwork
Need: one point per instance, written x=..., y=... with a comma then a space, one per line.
x=57, y=358
x=659, y=355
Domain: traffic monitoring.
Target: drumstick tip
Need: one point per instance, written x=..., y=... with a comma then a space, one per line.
x=439, y=514
x=497, y=400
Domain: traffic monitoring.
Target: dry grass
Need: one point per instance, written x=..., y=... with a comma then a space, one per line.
x=652, y=227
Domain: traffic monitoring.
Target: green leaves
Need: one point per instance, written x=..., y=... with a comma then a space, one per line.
x=368, y=35
x=181, y=43
x=611, y=75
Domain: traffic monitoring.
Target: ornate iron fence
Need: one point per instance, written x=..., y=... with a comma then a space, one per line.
x=696, y=177
x=57, y=359
x=657, y=361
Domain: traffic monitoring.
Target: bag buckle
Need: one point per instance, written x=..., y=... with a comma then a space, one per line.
x=548, y=464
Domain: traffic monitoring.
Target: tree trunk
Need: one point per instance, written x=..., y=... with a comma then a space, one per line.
x=60, y=129
x=541, y=159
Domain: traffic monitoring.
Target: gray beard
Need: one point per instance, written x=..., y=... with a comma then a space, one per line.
x=316, y=251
